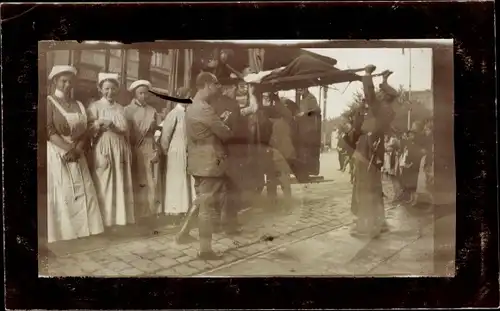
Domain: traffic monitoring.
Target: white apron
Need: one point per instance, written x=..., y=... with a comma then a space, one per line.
x=72, y=209
x=112, y=170
x=178, y=183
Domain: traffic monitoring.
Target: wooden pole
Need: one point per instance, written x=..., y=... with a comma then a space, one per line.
x=173, y=78
x=176, y=81
x=107, y=59
x=325, y=96
x=123, y=77
x=409, y=92
x=145, y=64
x=320, y=93
x=124, y=66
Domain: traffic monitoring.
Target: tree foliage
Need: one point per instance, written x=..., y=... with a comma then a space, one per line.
x=418, y=111
x=402, y=105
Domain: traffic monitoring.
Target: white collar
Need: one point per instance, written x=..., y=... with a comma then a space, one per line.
x=138, y=103
x=180, y=107
x=58, y=94
x=103, y=99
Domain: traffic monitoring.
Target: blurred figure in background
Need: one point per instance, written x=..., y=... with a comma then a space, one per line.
x=281, y=148
x=343, y=147
x=173, y=141
x=334, y=139
x=346, y=146
x=309, y=123
x=400, y=195
x=391, y=162
x=426, y=174
x=218, y=64
x=411, y=167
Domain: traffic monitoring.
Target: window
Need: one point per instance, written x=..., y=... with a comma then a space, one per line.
x=133, y=70
x=93, y=58
x=133, y=55
x=117, y=53
x=165, y=62
x=61, y=57
x=157, y=60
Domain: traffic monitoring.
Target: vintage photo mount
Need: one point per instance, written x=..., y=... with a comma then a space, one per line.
x=469, y=110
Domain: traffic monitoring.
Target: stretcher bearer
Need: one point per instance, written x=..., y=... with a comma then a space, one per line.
x=281, y=148
x=111, y=154
x=72, y=209
x=367, y=197
x=143, y=121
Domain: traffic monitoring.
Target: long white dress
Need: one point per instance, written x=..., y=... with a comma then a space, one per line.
x=178, y=186
x=72, y=209
x=112, y=170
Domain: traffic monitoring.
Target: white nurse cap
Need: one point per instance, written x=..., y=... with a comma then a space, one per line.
x=108, y=76
x=138, y=83
x=58, y=69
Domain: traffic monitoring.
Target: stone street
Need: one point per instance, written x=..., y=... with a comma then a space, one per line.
x=333, y=251
x=311, y=239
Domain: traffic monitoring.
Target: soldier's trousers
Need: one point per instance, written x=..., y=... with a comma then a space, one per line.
x=211, y=193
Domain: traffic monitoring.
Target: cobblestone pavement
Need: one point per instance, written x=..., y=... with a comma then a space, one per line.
x=319, y=208
x=407, y=250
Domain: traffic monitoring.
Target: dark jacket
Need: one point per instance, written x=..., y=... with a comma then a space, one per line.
x=235, y=122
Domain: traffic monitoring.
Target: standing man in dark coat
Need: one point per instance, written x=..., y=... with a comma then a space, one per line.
x=282, y=154
x=225, y=104
x=207, y=161
x=309, y=124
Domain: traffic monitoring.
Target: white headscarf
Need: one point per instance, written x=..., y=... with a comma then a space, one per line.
x=59, y=69
x=138, y=83
x=108, y=76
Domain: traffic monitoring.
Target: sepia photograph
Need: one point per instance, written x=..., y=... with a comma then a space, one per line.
x=239, y=158
x=249, y=155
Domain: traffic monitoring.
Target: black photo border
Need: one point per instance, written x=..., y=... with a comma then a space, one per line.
x=471, y=25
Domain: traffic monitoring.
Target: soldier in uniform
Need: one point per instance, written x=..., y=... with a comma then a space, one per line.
x=207, y=162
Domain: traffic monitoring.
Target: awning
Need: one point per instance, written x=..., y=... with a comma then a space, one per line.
x=304, y=71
